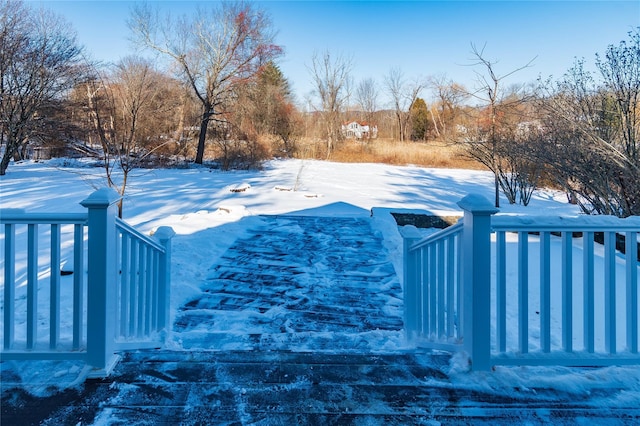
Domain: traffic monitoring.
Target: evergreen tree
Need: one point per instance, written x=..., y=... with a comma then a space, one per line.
x=419, y=120
x=271, y=96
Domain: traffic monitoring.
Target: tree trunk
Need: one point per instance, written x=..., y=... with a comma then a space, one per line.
x=497, y=188
x=435, y=123
x=4, y=163
x=122, y=190
x=399, y=121
x=180, y=128
x=204, y=124
x=11, y=149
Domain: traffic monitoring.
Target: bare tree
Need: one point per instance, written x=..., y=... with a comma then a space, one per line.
x=445, y=111
x=331, y=76
x=403, y=94
x=126, y=111
x=485, y=145
x=620, y=69
x=215, y=51
x=574, y=145
x=592, y=129
x=39, y=62
x=367, y=99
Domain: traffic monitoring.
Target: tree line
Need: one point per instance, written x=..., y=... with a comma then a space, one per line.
x=215, y=93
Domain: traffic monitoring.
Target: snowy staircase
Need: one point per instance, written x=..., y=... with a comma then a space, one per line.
x=297, y=283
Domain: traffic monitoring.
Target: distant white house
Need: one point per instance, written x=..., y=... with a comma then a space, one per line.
x=359, y=130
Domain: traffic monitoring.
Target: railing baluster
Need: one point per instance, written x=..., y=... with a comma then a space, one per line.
x=501, y=291
x=149, y=292
x=414, y=295
x=459, y=260
x=433, y=291
x=415, y=301
x=451, y=303
x=125, y=300
x=155, y=296
x=523, y=292
x=133, y=287
x=545, y=292
x=631, y=243
x=54, y=298
x=567, y=291
x=589, y=292
x=9, y=284
x=78, y=284
x=441, y=290
x=424, y=291
x=141, y=289
x=610, y=292
x=32, y=285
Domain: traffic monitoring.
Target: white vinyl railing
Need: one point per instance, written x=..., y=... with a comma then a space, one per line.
x=37, y=228
x=432, y=279
x=525, y=290
x=144, y=286
x=120, y=292
x=588, y=291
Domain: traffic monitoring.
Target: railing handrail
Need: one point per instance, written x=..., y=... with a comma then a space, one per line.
x=446, y=232
x=543, y=224
x=13, y=217
x=564, y=223
x=124, y=226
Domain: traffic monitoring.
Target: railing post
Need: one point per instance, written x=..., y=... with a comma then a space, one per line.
x=101, y=278
x=476, y=279
x=410, y=281
x=164, y=234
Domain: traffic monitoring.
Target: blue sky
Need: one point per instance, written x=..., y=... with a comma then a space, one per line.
x=422, y=38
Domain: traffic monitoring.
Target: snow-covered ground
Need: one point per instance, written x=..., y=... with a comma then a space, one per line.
x=208, y=217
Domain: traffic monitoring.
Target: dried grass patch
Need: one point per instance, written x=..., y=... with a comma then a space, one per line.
x=387, y=151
